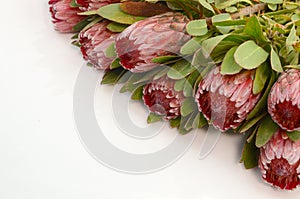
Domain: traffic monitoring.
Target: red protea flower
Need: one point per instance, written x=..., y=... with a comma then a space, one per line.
x=284, y=100
x=155, y=36
x=94, y=41
x=162, y=99
x=279, y=161
x=64, y=17
x=94, y=4
x=226, y=100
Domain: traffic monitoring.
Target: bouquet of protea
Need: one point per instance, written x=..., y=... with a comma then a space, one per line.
x=232, y=64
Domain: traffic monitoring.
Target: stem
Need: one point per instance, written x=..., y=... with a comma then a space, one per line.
x=182, y=5
x=249, y=10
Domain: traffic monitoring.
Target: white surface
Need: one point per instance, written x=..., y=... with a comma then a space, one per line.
x=41, y=154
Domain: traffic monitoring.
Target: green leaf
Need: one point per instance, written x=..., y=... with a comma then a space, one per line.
x=296, y=19
x=146, y=76
x=206, y=5
x=163, y=59
x=114, y=13
x=115, y=64
x=199, y=121
x=112, y=76
x=88, y=13
x=265, y=131
x=110, y=51
x=225, y=45
x=73, y=4
x=153, y=117
x=180, y=70
x=250, y=123
x=222, y=4
x=231, y=9
x=236, y=22
x=249, y=55
x=197, y=27
x=292, y=37
x=272, y=1
x=175, y=123
x=188, y=89
x=186, y=123
x=131, y=84
x=261, y=75
x=199, y=59
x=261, y=104
x=138, y=93
x=209, y=45
x=116, y=27
x=229, y=66
x=161, y=73
x=194, y=44
x=190, y=83
x=93, y=22
x=178, y=86
x=188, y=106
x=254, y=29
x=272, y=7
x=79, y=26
x=294, y=136
x=250, y=155
x=275, y=61
x=221, y=18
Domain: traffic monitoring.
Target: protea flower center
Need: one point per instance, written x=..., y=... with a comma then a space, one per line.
x=280, y=161
x=226, y=100
x=284, y=100
x=156, y=36
x=162, y=99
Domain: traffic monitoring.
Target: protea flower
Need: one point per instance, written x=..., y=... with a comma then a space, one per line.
x=226, y=100
x=155, y=36
x=94, y=4
x=94, y=41
x=284, y=100
x=63, y=16
x=279, y=161
x=162, y=99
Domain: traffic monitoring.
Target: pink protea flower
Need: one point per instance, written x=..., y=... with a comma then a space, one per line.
x=162, y=99
x=226, y=100
x=155, y=36
x=63, y=16
x=94, y=41
x=94, y=4
x=279, y=161
x=284, y=100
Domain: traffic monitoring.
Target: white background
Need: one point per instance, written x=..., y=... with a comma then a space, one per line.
x=41, y=153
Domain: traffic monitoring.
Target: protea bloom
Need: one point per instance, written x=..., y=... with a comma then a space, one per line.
x=155, y=36
x=162, y=99
x=279, y=161
x=226, y=100
x=94, y=4
x=94, y=41
x=284, y=100
x=63, y=16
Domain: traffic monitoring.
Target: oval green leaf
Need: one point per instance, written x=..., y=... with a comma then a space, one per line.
x=197, y=27
x=114, y=13
x=261, y=75
x=249, y=55
x=265, y=131
x=275, y=61
x=229, y=66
